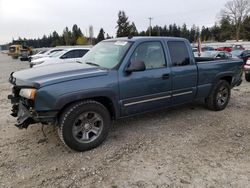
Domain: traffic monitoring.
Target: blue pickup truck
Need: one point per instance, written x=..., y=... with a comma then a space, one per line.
x=116, y=79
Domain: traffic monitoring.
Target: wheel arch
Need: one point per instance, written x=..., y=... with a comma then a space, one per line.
x=106, y=99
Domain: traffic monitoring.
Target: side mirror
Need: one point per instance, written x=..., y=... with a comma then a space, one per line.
x=136, y=66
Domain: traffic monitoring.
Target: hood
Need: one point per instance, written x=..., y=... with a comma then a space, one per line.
x=47, y=75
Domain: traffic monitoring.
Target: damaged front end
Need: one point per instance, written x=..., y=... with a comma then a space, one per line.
x=22, y=109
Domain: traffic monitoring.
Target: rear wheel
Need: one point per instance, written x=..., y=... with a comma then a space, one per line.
x=220, y=96
x=84, y=125
x=247, y=76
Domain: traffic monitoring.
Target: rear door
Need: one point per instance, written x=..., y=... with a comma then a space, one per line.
x=184, y=72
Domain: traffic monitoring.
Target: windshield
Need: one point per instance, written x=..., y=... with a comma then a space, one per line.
x=106, y=54
x=236, y=52
x=57, y=53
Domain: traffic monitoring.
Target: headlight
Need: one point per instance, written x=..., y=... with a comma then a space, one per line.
x=28, y=93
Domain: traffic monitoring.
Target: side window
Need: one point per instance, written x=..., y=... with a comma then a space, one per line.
x=221, y=55
x=151, y=53
x=68, y=55
x=80, y=53
x=178, y=53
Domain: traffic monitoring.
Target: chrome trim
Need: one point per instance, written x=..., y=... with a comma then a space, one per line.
x=147, y=100
x=184, y=93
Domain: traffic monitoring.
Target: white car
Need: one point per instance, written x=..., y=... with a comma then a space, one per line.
x=64, y=56
x=44, y=53
x=214, y=54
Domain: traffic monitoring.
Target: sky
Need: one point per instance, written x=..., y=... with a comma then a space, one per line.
x=34, y=18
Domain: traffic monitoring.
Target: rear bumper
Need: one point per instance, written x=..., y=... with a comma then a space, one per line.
x=247, y=70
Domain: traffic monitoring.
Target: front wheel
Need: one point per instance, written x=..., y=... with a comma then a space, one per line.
x=219, y=97
x=84, y=125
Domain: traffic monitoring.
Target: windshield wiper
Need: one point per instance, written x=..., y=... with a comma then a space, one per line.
x=93, y=64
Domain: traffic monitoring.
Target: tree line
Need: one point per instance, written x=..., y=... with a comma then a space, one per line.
x=234, y=24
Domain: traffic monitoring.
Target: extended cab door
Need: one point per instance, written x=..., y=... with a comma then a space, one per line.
x=149, y=89
x=184, y=72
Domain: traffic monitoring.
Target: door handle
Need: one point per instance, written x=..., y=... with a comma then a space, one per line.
x=165, y=76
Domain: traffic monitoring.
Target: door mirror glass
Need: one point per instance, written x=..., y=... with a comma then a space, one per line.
x=136, y=66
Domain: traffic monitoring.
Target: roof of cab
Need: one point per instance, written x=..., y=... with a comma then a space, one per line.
x=146, y=38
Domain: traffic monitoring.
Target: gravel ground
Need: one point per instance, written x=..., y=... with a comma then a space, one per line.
x=187, y=146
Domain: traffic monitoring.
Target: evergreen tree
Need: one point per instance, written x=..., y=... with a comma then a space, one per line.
x=107, y=36
x=76, y=33
x=227, y=29
x=192, y=36
x=133, y=29
x=67, y=36
x=184, y=31
x=165, y=31
x=123, y=25
x=55, y=39
x=101, y=36
x=246, y=29
x=216, y=31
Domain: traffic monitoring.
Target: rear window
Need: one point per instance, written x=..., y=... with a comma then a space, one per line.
x=178, y=53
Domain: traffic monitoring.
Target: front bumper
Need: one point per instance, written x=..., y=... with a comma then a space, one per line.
x=26, y=115
x=19, y=110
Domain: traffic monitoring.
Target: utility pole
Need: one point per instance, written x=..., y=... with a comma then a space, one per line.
x=150, y=25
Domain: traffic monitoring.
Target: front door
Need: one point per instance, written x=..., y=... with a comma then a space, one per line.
x=149, y=89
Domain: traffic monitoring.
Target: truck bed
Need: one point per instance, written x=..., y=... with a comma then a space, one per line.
x=209, y=69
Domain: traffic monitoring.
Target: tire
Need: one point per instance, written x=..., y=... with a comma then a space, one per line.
x=84, y=125
x=247, y=76
x=219, y=97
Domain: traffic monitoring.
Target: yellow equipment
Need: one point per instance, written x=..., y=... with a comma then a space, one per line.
x=18, y=50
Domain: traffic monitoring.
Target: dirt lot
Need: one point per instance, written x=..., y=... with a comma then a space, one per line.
x=187, y=146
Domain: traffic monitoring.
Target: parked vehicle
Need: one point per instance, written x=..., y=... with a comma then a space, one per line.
x=207, y=48
x=237, y=47
x=242, y=54
x=231, y=48
x=247, y=70
x=225, y=49
x=119, y=78
x=215, y=55
x=26, y=52
x=16, y=50
x=195, y=49
x=64, y=56
x=44, y=54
